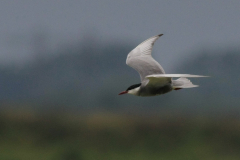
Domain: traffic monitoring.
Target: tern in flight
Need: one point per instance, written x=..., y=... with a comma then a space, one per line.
x=154, y=81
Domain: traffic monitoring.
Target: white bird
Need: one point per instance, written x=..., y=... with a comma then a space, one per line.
x=154, y=81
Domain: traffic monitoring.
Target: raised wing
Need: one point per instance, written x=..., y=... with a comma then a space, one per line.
x=140, y=58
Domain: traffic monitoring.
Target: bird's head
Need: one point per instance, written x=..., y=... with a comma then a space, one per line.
x=133, y=89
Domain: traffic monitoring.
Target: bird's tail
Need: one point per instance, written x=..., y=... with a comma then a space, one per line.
x=182, y=83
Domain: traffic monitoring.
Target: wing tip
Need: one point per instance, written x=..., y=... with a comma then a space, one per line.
x=160, y=35
x=202, y=76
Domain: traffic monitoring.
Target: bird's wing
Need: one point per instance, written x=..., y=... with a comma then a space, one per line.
x=163, y=79
x=157, y=82
x=173, y=75
x=140, y=58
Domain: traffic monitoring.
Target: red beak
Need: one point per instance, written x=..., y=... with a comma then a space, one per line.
x=124, y=92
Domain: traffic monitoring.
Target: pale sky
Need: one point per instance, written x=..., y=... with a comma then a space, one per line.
x=187, y=25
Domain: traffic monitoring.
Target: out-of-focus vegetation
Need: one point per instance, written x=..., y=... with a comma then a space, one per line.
x=87, y=74
x=75, y=136
x=66, y=107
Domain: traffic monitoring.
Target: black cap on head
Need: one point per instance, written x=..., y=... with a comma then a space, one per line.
x=133, y=86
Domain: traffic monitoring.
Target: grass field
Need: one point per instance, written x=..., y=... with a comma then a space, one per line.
x=26, y=135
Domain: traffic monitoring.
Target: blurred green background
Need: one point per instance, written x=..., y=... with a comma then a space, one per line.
x=62, y=65
x=103, y=135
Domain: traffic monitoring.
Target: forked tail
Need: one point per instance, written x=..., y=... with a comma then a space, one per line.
x=182, y=83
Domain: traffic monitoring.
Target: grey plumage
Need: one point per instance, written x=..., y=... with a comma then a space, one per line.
x=154, y=81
